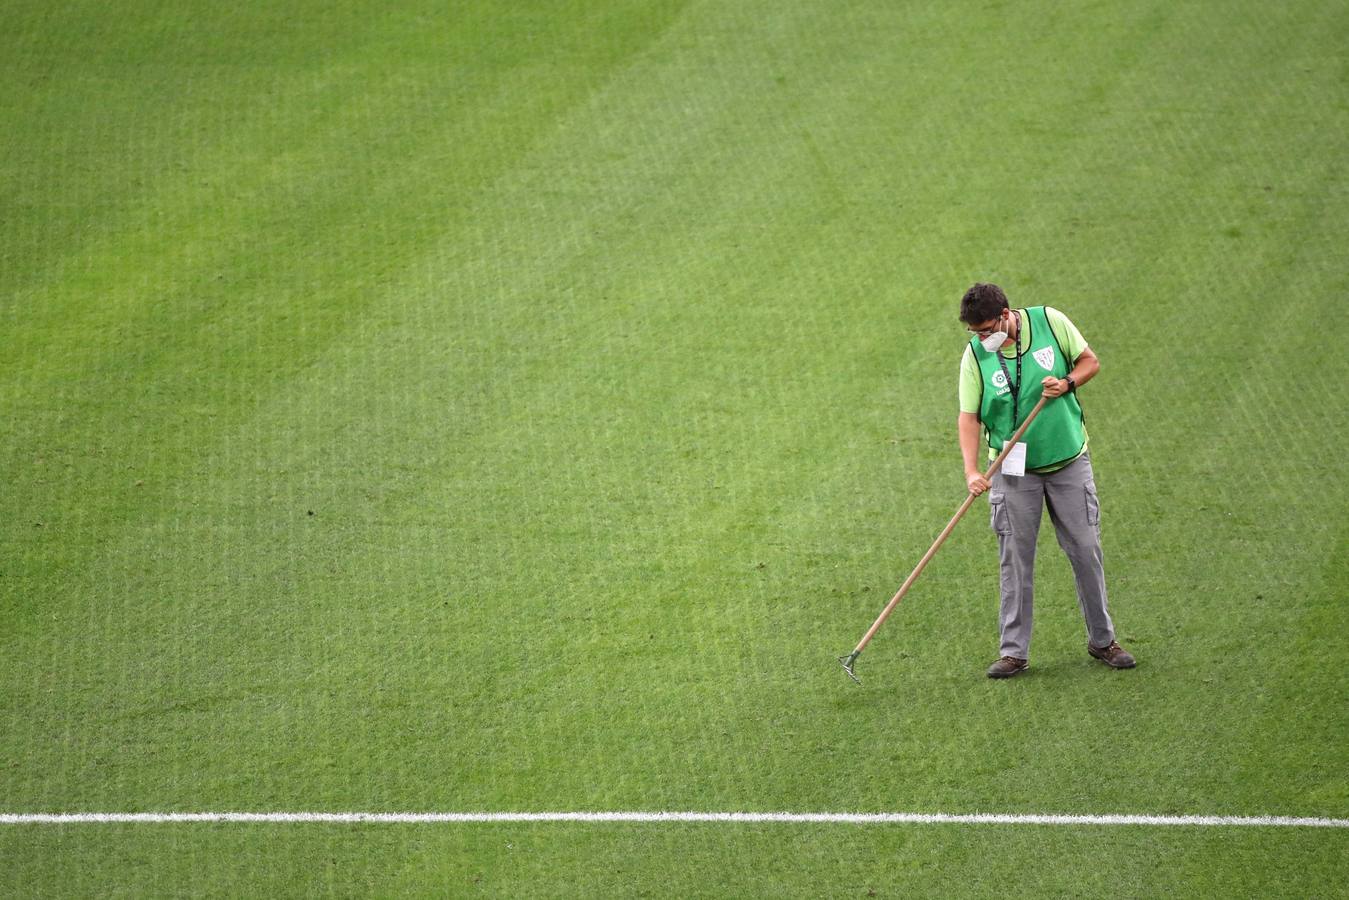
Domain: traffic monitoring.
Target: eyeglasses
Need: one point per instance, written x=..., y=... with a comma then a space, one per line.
x=985, y=332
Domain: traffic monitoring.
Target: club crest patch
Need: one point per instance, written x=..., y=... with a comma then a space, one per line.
x=1045, y=357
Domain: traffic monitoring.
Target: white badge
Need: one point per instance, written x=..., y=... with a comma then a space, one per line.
x=1015, y=462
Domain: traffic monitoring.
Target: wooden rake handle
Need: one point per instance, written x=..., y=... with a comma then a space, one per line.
x=946, y=532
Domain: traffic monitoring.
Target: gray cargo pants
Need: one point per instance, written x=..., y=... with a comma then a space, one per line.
x=1016, y=505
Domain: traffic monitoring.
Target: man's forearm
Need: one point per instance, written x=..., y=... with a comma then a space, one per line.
x=968, y=427
x=1085, y=368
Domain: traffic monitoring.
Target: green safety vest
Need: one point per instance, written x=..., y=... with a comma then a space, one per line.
x=1056, y=436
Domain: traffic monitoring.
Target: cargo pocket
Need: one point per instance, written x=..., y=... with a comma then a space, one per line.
x=1093, y=505
x=999, y=517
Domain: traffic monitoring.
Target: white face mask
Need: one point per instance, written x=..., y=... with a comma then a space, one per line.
x=994, y=341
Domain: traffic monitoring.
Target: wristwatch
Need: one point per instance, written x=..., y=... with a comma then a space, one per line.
x=1072, y=385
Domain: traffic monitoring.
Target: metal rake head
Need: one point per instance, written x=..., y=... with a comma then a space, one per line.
x=847, y=662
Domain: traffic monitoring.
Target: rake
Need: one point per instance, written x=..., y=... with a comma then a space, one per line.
x=851, y=659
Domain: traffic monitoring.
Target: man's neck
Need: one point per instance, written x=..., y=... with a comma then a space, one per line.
x=1013, y=329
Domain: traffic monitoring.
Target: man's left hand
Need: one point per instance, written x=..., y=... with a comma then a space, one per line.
x=1054, y=387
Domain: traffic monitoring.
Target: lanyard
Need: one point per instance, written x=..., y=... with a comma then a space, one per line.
x=1015, y=385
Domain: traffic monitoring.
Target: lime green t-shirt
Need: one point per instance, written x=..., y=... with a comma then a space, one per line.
x=972, y=383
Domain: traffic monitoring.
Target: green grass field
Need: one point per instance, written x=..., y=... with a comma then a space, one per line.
x=517, y=407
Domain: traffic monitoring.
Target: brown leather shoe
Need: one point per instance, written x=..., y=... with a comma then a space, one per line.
x=1114, y=656
x=1007, y=667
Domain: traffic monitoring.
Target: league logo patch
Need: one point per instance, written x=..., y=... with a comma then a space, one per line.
x=999, y=380
x=1045, y=357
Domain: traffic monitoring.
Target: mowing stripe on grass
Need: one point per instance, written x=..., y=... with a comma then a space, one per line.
x=897, y=818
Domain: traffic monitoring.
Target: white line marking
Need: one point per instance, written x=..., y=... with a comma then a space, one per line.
x=896, y=818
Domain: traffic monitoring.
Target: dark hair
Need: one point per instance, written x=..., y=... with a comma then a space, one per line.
x=981, y=303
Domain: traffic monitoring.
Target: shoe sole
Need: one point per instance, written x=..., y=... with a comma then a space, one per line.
x=1025, y=668
x=1109, y=663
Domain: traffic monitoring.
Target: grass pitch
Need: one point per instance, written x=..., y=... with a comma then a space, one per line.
x=517, y=407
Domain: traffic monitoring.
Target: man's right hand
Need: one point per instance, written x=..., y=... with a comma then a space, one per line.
x=976, y=482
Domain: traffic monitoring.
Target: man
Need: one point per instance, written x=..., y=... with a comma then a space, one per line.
x=1011, y=352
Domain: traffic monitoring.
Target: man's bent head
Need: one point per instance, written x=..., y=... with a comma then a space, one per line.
x=982, y=303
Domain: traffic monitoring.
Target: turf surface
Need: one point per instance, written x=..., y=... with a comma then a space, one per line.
x=518, y=408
